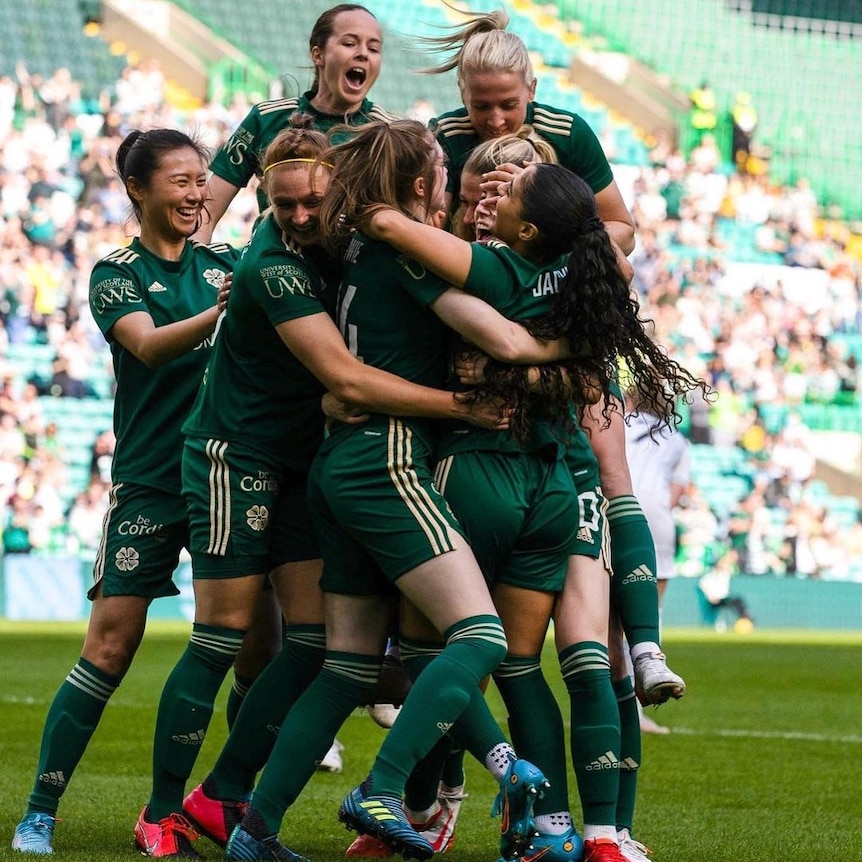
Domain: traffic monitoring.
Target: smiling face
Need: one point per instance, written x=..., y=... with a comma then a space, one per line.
x=469, y=196
x=496, y=102
x=296, y=193
x=172, y=202
x=509, y=224
x=349, y=63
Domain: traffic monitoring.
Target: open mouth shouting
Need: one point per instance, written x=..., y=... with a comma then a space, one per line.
x=356, y=76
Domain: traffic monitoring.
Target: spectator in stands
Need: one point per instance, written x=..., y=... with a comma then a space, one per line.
x=85, y=519
x=103, y=456
x=16, y=529
x=743, y=121
x=703, y=117
x=715, y=590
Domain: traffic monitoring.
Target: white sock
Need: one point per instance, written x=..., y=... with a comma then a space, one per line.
x=497, y=760
x=592, y=832
x=644, y=646
x=557, y=823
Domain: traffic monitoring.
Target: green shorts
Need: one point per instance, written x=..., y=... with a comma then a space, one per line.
x=518, y=513
x=593, y=535
x=246, y=515
x=375, y=507
x=143, y=533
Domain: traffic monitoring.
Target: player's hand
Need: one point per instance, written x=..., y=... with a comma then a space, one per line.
x=488, y=413
x=333, y=408
x=470, y=368
x=505, y=173
x=224, y=292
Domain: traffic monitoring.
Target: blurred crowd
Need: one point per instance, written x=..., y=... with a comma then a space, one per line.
x=765, y=342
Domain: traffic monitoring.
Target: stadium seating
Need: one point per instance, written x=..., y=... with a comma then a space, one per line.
x=281, y=44
x=804, y=75
x=47, y=35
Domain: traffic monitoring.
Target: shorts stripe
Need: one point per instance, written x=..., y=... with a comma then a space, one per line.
x=416, y=498
x=99, y=565
x=219, y=492
x=441, y=474
x=606, y=536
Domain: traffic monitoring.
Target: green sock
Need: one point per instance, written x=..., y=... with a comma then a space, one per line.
x=238, y=690
x=442, y=693
x=634, y=593
x=71, y=721
x=452, y=774
x=308, y=730
x=185, y=710
x=630, y=751
x=535, y=725
x=273, y=694
x=595, y=729
x=420, y=789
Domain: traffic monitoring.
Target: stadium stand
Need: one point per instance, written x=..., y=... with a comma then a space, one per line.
x=787, y=63
x=745, y=281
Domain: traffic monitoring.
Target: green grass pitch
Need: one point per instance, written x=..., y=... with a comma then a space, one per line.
x=763, y=764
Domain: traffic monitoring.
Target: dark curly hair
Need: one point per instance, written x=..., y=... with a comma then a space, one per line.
x=594, y=309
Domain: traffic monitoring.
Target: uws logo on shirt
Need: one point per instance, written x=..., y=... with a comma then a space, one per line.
x=549, y=282
x=238, y=145
x=285, y=279
x=113, y=293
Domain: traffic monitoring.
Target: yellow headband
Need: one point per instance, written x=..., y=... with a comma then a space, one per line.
x=288, y=161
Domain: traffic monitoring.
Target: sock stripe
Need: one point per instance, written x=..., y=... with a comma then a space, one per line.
x=223, y=644
x=484, y=630
x=411, y=650
x=311, y=639
x=89, y=684
x=512, y=669
x=359, y=671
x=583, y=661
x=624, y=507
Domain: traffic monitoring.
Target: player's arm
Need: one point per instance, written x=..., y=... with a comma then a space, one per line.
x=439, y=252
x=156, y=345
x=617, y=219
x=221, y=194
x=317, y=343
x=503, y=339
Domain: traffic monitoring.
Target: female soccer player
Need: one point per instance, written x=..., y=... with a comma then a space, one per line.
x=555, y=248
x=346, y=48
x=384, y=528
x=498, y=87
x=251, y=435
x=157, y=302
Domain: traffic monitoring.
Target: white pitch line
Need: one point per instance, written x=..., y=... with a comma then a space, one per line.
x=770, y=734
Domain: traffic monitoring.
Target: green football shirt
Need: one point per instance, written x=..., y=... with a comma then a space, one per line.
x=239, y=159
x=384, y=317
x=574, y=142
x=152, y=403
x=520, y=290
x=256, y=392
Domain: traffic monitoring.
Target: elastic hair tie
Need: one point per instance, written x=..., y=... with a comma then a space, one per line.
x=288, y=161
